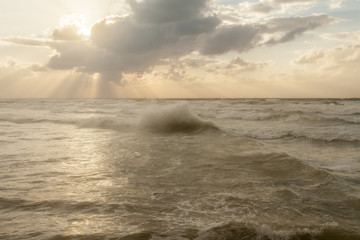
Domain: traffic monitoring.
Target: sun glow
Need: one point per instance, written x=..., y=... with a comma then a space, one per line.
x=77, y=21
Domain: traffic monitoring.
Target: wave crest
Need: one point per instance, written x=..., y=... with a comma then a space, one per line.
x=176, y=118
x=102, y=123
x=246, y=231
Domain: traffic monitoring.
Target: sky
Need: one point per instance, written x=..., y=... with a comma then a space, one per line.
x=179, y=49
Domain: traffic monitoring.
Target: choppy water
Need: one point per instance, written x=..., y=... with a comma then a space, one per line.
x=264, y=169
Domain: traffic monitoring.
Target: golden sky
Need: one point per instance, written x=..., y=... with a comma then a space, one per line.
x=179, y=48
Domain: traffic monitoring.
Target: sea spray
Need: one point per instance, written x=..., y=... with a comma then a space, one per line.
x=176, y=118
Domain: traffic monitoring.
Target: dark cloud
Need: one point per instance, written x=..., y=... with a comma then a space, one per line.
x=126, y=36
x=164, y=11
x=157, y=29
x=71, y=55
x=262, y=7
x=291, y=23
x=295, y=26
x=125, y=45
x=241, y=38
x=238, y=38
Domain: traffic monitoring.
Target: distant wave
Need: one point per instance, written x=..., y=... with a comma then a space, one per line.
x=252, y=116
x=273, y=134
x=291, y=135
x=23, y=120
x=93, y=122
x=291, y=116
x=102, y=122
x=177, y=118
x=344, y=119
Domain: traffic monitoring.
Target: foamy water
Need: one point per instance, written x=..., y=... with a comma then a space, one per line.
x=180, y=169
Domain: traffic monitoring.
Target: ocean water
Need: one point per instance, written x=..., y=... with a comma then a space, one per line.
x=264, y=169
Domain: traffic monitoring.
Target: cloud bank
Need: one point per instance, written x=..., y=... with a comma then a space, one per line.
x=157, y=31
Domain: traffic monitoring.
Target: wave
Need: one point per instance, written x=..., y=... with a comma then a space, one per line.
x=18, y=204
x=168, y=119
x=93, y=122
x=252, y=116
x=293, y=135
x=247, y=231
x=103, y=123
x=269, y=134
x=342, y=119
x=332, y=119
x=177, y=118
x=290, y=116
x=232, y=231
x=284, y=167
x=23, y=120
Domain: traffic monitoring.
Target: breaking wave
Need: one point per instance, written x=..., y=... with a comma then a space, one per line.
x=177, y=118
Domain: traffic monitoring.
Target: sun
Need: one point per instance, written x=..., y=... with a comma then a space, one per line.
x=77, y=21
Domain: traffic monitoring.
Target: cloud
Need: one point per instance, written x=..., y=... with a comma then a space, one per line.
x=160, y=30
x=344, y=36
x=343, y=60
x=293, y=1
x=14, y=80
x=291, y=23
x=268, y=6
x=332, y=71
x=245, y=66
x=71, y=55
x=157, y=29
x=69, y=30
x=239, y=38
x=242, y=38
x=309, y=57
x=165, y=11
x=67, y=33
x=336, y=3
x=295, y=26
x=176, y=72
x=27, y=41
x=126, y=36
x=262, y=7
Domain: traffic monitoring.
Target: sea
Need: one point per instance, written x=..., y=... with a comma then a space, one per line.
x=200, y=169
